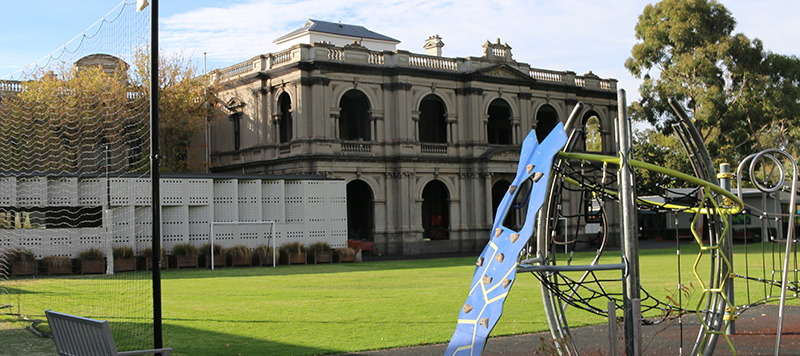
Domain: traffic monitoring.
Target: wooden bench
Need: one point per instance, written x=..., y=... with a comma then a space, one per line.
x=78, y=336
x=362, y=246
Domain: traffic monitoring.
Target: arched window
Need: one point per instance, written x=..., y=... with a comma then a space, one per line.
x=546, y=121
x=435, y=211
x=236, y=119
x=432, y=125
x=284, y=118
x=593, y=138
x=498, y=127
x=354, y=118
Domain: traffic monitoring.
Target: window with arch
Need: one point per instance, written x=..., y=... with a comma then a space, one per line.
x=546, y=121
x=498, y=127
x=593, y=138
x=284, y=118
x=354, y=117
x=432, y=124
x=236, y=119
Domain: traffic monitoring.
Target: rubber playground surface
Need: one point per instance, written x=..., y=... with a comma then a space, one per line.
x=755, y=335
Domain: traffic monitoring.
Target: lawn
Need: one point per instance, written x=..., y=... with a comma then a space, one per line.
x=331, y=309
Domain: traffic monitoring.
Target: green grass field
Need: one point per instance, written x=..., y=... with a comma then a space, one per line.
x=330, y=309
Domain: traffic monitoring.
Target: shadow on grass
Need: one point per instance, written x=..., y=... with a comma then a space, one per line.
x=184, y=341
x=18, y=341
x=196, y=342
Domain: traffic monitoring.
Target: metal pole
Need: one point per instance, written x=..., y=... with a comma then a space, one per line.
x=630, y=241
x=155, y=175
x=727, y=249
x=612, y=328
x=789, y=242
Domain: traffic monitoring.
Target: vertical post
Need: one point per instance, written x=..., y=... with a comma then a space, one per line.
x=725, y=176
x=612, y=328
x=108, y=217
x=155, y=176
x=630, y=241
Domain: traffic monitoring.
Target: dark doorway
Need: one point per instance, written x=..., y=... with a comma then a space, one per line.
x=499, y=191
x=498, y=126
x=360, y=211
x=435, y=211
x=354, y=118
x=432, y=124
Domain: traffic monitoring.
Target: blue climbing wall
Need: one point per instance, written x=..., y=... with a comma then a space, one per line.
x=497, y=264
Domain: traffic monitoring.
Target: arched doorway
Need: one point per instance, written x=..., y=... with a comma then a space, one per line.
x=593, y=139
x=284, y=118
x=546, y=121
x=498, y=126
x=360, y=211
x=435, y=211
x=432, y=125
x=499, y=191
x=354, y=117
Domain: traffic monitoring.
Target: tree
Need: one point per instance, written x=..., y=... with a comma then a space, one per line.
x=741, y=97
x=662, y=150
x=67, y=122
x=185, y=104
x=89, y=118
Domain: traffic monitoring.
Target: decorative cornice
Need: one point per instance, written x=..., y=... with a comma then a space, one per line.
x=395, y=86
x=469, y=90
x=309, y=81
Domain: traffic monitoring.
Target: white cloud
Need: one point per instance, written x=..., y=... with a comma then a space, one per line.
x=571, y=35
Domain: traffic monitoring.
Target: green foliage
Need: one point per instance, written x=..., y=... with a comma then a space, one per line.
x=92, y=254
x=185, y=249
x=63, y=120
x=19, y=255
x=120, y=252
x=319, y=246
x=147, y=252
x=185, y=103
x=59, y=121
x=57, y=261
x=292, y=247
x=237, y=251
x=264, y=253
x=661, y=150
x=206, y=248
x=740, y=96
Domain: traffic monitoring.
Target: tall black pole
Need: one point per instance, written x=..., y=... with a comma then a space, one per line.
x=155, y=175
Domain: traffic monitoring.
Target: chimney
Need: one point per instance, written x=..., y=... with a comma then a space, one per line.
x=433, y=46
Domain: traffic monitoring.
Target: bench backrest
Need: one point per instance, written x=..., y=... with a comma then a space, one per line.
x=78, y=336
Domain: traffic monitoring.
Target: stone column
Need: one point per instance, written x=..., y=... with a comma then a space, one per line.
x=335, y=111
x=515, y=132
x=415, y=117
x=451, y=122
x=487, y=178
x=376, y=124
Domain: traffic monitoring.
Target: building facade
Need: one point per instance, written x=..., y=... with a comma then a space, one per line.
x=427, y=145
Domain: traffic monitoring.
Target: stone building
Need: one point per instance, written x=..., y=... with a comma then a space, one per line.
x=427, y=144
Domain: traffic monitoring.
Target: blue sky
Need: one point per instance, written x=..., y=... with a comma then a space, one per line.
x=576, y=35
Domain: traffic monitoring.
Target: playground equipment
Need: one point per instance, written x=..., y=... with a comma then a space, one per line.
x=593, y=175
